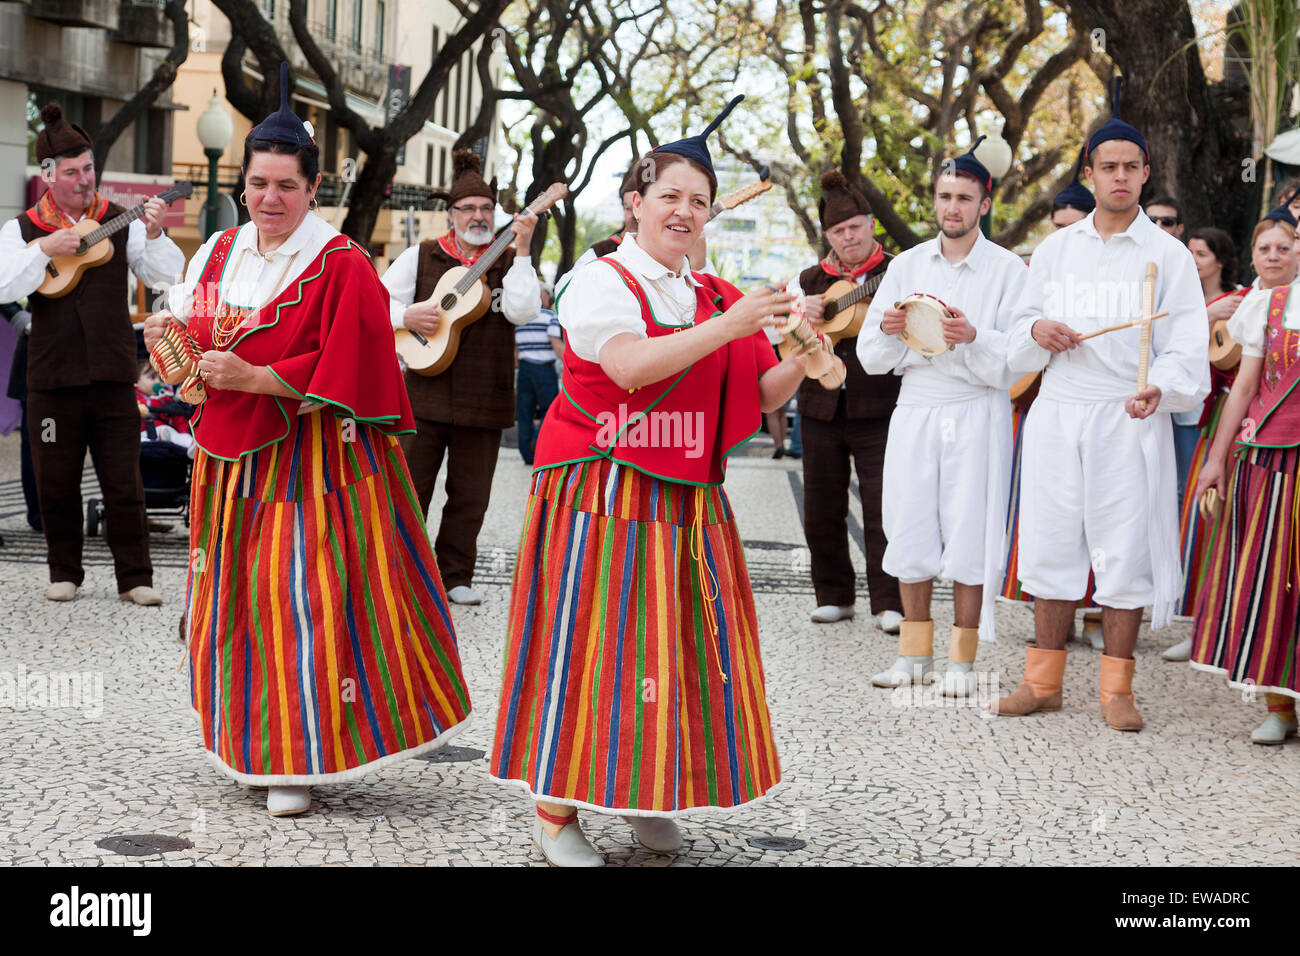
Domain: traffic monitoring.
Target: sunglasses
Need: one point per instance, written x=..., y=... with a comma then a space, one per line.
x=1167, y=221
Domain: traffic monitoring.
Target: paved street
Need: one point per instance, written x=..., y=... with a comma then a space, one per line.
x=871, y=776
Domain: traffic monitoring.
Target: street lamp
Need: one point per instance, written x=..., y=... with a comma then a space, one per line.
x=215, y=130
x=995, y=154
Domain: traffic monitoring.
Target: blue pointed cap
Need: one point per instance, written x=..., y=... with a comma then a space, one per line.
x=1116, y=128
x=1076, y=194
x=968, y=164
x=1282, y=213
x=696, y=148
x=283, y=126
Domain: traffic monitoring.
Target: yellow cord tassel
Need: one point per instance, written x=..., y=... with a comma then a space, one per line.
x=708, y=583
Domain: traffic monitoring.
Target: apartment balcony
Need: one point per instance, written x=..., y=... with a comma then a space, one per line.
x=362, y=69
x=143, y=23
x=103, y=14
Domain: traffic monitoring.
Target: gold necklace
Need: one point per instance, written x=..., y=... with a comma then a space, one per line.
x=230, y=319
x=684, y=314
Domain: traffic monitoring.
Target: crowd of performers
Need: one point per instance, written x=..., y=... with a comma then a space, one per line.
x=320, y=639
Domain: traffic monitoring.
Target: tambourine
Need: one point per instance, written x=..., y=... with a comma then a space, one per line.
x=1210, y=504
x=924, y=332
x=176, y=359
x=821, y=363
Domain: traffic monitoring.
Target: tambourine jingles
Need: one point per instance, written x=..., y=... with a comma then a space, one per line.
x=821, y=361
x=924, y=332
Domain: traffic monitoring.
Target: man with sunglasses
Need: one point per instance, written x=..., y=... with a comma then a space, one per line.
x=461, y=412
x=1165, y=212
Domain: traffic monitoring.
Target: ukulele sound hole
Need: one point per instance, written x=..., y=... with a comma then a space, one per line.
x=448, y=303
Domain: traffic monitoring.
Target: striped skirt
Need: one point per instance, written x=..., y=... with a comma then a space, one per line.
x=632, y=681
x=320, y=643
x=1248, y=612
x=1193, y=533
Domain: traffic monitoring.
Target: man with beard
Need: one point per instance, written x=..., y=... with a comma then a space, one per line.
x=461, y=412
x=81, y=360
x=948, y=456
x=1099, y=486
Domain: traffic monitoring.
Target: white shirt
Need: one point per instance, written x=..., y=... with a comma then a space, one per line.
x=590, y=256
x=596, y=305
x=1249, y=323
x=156, y=262
x=521, y=293
x=251, y=279
x=1076, y=278
x=984, y=285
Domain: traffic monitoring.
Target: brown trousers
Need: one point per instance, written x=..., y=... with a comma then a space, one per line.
x=64, y=422
x=471, y=462
x=828, y=449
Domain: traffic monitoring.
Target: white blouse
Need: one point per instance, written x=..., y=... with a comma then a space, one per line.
x=1249, y=323
x=596, y=305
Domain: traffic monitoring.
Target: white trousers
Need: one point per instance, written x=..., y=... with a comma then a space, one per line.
x=1090, y=496
x=935, y=492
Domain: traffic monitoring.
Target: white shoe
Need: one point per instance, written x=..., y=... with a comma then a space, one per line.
x=61, y=591
x=143, y=595
x=906, y=670
x=656, y=834
x=1092, y=634
x=1182, y=651
x=959, y=679
x=288, y=801
x=829, y=614
x=888, y=621
x=570, y=848
x=463, y=594
x=1274, y=729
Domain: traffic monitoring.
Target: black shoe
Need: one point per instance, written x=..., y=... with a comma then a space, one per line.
x=779, y=453
x=794, y=454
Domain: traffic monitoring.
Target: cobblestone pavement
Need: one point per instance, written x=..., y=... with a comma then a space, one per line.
x=871, y=776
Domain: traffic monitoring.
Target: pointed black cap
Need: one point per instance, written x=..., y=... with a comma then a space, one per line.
x=968, y=164
x=283, y=126
x=1282, y=213
x=696, y=148
x=1116, y=128
x=1075, y=194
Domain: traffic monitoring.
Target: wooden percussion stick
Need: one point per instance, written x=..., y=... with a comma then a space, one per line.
x=1122, y=325
x=1144, y=343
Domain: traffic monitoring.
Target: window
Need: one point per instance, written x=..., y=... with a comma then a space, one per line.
x=428, y=165
x=437, y=45
x=442, y=166
x=455, y=105
x=356, y=24
x=379, y=28
x=469, y=86
x=331, y=18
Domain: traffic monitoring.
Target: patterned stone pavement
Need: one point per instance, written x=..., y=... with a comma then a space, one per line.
x=871, y=776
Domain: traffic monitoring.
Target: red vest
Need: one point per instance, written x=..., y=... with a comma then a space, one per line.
x=1271, y=421
x=681, y=428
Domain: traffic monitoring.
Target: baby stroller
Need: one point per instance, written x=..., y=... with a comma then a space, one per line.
x=165, y=470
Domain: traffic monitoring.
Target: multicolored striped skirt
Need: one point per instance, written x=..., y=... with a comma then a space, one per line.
x=633, y=680
x=1248, y=614
x=1193, y=535
x=320, y=643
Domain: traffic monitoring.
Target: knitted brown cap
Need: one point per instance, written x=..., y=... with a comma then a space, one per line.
x=839, y=201
x=467, y=178
x=59, y=136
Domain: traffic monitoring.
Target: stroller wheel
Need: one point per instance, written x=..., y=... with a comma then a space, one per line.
x=94, y=510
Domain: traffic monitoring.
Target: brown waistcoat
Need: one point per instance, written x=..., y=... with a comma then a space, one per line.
x=478, y=389
x=86, y=335
x=865, y=396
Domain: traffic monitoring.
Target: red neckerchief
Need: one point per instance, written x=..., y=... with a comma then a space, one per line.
x=452, y=248
x=617, y=238
x=47, y=215
x=832, y=265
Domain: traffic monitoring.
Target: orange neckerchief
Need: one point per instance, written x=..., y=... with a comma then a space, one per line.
x=452, y=248
x=832, y=265
x=47, y=215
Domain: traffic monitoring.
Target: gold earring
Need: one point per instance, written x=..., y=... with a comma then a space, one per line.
x=242, y=200
x=313, y=204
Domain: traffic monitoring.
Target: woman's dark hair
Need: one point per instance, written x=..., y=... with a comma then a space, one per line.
x=653, y=163
x=308, y=156
x=1221, y=247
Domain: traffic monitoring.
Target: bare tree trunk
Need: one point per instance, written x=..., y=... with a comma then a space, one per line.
x=163, y=77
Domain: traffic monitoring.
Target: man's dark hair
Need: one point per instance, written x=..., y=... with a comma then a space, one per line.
x=984, y=190
x=1169, y=201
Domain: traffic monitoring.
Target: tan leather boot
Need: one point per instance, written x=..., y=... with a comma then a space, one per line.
x=1041, y=688
x=1117, y=693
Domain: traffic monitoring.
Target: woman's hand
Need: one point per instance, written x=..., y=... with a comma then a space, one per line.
x=1211, y=476
x=1223, y=308
x=757, y=310
x=154, y=327
x=226, y=370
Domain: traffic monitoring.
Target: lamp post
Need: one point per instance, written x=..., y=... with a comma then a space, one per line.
x=995, y=154
x=214, y=129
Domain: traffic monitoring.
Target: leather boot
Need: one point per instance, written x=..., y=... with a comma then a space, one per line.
x=1117, y=693
x=915, y=661
x=959, y=681
x=1041, y=688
